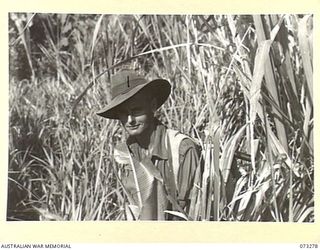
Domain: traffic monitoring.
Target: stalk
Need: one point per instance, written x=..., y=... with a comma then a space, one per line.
x=271, y=164
x=216, y=177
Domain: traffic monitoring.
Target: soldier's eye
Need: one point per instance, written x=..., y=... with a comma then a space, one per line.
x=137, y=111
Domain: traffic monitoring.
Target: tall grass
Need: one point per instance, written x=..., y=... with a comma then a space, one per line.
x=242, y=85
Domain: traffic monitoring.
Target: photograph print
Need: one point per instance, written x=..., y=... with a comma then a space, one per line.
x=160, y=117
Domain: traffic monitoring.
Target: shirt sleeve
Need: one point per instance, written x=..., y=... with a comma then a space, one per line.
x=189, y=162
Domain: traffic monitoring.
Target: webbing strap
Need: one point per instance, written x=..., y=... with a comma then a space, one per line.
x=175, y=138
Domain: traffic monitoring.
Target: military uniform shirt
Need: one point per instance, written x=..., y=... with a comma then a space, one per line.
x=159, y=160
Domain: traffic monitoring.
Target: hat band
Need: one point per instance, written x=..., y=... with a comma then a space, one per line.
x=125, y=87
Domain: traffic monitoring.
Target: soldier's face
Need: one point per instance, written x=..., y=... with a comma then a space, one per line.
x=136, y=114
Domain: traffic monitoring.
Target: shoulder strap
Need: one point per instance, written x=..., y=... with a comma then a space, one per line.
x=174, y=139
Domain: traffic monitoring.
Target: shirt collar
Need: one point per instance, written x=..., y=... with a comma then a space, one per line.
x=158, y=148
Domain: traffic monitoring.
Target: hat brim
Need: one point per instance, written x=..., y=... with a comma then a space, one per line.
x=160, y=88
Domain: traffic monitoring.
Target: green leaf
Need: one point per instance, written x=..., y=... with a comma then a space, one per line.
x=269, y=74
x=121, y=154
x=64, y=42
x=94, y=37
x=178, y=214
x=278, y=149
x=303, y=35
x=306, y=213
x=228, y=153
x=258, y=73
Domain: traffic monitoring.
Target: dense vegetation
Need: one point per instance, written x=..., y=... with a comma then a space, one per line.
x=242, y=85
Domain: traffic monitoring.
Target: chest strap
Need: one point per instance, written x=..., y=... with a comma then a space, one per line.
x=173, y=141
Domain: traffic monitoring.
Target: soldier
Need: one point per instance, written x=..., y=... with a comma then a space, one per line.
x=159, y=166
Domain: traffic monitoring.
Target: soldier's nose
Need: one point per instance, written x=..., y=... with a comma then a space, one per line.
x=130, y=119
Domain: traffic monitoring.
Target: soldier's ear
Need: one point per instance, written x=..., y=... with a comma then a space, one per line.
x=154, y=104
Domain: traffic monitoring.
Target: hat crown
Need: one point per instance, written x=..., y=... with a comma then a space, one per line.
x=124, y=81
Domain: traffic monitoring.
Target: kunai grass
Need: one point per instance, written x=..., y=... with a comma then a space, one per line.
x=242, y=86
